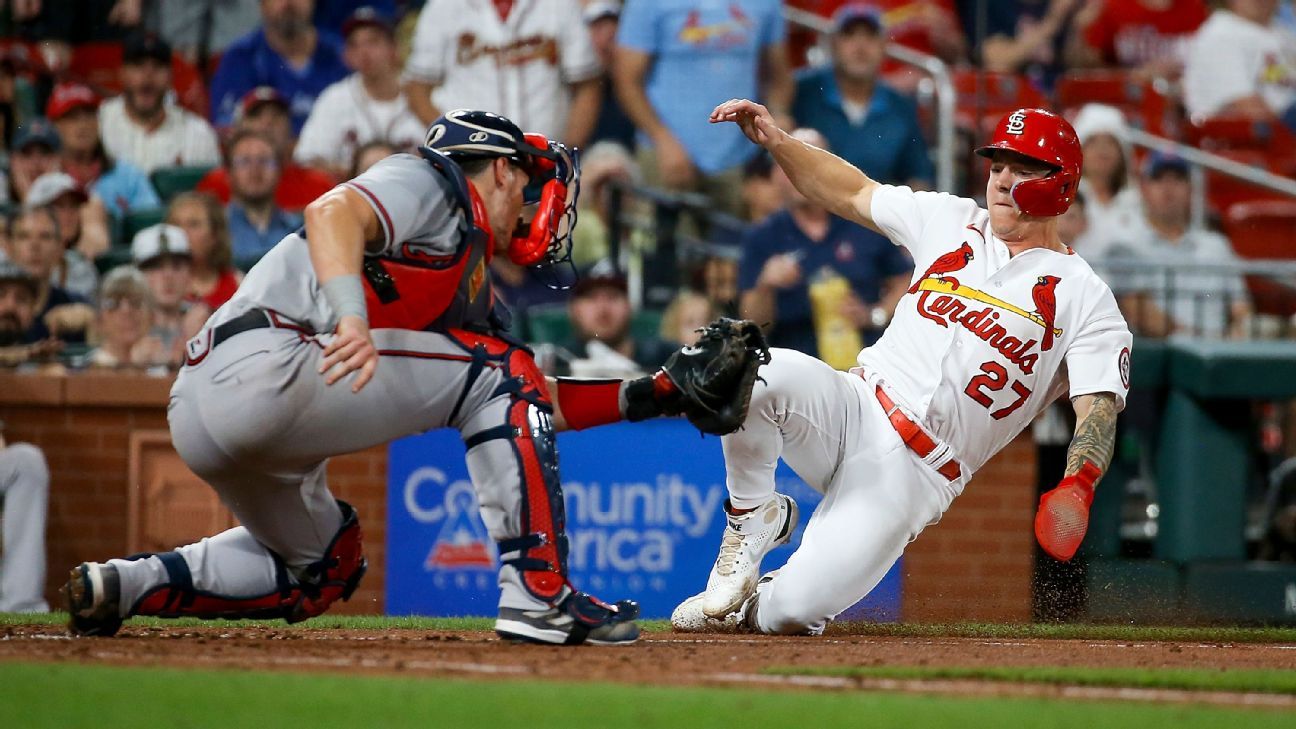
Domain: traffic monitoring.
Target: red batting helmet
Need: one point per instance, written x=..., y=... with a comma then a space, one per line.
x=1047, y=137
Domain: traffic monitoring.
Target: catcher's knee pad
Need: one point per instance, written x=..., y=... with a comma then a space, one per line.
x=334, y=576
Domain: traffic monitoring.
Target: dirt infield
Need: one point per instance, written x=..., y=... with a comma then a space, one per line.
x=659, y=658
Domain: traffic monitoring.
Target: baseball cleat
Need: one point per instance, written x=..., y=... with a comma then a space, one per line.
x=747, y=539
x=689, y=618
x=91, y=597
x=578, y=619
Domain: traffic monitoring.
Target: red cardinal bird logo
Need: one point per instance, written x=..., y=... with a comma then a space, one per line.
x=952, y=261
x=1046, y=306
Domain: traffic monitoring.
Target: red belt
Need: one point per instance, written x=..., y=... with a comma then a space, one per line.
x=914, y=437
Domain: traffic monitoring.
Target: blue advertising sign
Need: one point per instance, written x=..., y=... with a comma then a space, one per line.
x=644, y=520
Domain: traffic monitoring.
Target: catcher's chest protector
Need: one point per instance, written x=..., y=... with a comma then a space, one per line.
x=422, y=292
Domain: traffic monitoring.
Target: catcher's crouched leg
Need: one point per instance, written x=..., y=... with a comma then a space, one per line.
x=335, y=576
x=539, y=604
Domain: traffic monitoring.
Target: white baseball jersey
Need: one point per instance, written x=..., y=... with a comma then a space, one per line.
x=183, y=138
x=1230, y=58
x=519, y=67
x=416, y=208
x=345, y=117
x=984, y=341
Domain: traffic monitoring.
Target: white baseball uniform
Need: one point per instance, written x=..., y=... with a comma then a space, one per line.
x=519, y=67
x=345, y=117
x=980, y=345
x=183, y=138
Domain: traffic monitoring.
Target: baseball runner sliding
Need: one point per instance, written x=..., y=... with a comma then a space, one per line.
x=1001, y=320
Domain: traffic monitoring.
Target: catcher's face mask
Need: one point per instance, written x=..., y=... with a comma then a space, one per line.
x=555, y=185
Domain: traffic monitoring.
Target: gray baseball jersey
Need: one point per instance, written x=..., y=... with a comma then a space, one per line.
x=250, y=414
x=417, y=212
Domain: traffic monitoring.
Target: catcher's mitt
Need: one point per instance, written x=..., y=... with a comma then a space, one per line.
x=714, y=377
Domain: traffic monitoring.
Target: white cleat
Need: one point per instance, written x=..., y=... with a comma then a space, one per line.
x=689, y=618
x=747, y=539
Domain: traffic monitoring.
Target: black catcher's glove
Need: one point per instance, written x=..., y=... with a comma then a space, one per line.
x=709, y=382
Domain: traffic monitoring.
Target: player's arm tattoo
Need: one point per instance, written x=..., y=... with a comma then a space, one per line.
x=1095, y=433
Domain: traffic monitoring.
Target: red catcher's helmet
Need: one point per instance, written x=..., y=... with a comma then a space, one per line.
x=1047, y=137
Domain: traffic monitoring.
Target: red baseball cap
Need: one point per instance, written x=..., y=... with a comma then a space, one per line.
x=69, y=96
x=261, y=95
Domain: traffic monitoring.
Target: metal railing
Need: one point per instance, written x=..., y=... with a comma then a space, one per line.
x=1200, y=160
x=943, y=82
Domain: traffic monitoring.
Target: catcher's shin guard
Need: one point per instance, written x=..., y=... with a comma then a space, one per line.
x=335, y=576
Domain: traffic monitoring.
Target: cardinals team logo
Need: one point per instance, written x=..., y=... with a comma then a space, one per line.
x=1046, y=307
x=1016, y=122
x=945, y=300
x=945, y=265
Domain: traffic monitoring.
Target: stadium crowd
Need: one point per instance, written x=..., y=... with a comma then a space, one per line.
x=154, y=149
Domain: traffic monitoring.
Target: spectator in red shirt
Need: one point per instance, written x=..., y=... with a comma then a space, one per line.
x=265, y=111
x=1145, y=36
x=213, y=278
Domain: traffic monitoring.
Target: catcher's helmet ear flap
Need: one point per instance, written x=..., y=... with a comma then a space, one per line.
x=1048, y=138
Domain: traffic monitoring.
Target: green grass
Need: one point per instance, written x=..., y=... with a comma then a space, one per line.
x=37, y=696
x=899, y=630
x=1187, y=679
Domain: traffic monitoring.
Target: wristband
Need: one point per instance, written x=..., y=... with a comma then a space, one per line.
x=1084, y=479
x=345, y=295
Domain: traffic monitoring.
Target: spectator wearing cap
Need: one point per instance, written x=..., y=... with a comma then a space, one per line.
x=143, y=126
x=124, y=321
x=35, y=247
x=1189, y=289
x=121, y=186
x=675, y=59
x=783, y=254
x=332, y=15
x=603, y=18
x=286, y=53
x=601, y=339
x=256, y=223
x=866, y=122
x=35, y=152
x=161, y=252
x=265, y=111
x=18, y=299
x=79, y=221
x=364, y=107
x=1242, y=62
x=214, y=278
x=532, y=62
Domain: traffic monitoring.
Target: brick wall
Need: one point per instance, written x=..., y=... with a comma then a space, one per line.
x=975, y=564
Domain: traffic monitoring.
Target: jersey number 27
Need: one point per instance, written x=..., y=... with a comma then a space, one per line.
x=995, y=379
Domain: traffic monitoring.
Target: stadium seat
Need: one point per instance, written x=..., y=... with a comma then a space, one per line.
x=112, y=258
x=1145, y=106
x=988, y=96
x=1238, y=133
x=138, y=220
x=1265, y=230
x=1225, y=191
x=171, y=181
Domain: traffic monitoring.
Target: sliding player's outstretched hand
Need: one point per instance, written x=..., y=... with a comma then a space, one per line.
x=754, y=119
